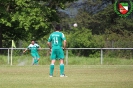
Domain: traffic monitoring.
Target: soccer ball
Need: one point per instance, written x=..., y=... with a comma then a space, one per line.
x=75, y=25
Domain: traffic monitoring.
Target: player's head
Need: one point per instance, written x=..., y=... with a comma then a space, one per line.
x=57, y=28
x=32, y=41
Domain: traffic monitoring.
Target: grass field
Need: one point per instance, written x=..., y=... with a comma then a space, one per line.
x=75, y=60
x=79, y=76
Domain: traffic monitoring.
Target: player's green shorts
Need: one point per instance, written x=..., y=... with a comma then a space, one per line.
x=57, y=53
x=35, y=55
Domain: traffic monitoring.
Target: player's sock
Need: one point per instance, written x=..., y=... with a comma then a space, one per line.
x=61, y=69
x=35, y=61
x=51, y=69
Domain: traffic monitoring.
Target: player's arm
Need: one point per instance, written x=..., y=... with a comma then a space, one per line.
x=39, y=48
x=49, y=45
x=25, y=50
x=64, y=41
x=64, y=44
x=49, y=42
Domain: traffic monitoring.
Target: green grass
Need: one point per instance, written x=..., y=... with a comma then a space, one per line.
x=79, y=76
x=45, y=60
x=96, y=61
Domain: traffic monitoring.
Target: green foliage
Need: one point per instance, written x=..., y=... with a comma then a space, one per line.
x=3, y=59
x=98, y=24
x=83, y=38
x=28, y=19
x=110, y=29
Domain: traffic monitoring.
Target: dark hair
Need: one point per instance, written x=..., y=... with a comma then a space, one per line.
x=57, y=27
x=33, y=40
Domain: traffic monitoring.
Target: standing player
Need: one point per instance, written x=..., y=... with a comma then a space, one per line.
x=33, y=47
x=55, y=44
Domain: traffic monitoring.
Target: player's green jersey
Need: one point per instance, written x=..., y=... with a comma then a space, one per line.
x=33, y=48
x=56, y=38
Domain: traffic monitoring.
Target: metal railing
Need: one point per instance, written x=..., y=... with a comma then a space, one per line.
x=10, y=51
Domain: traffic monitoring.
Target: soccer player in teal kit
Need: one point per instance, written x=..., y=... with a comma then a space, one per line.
x=33, y=47
x=55, y=44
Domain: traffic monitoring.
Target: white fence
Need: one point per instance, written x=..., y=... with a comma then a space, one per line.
x=10, y=51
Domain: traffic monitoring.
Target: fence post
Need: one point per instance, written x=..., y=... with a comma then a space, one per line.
x=66, y=56
x=11, y=55
x=8, y=58
x=101, y=56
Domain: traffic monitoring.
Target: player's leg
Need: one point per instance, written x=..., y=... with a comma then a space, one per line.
x=34, y=58
x=37, y=58
x=53, y=56
x=61, y=67
x=61, y=56
x=52, y=68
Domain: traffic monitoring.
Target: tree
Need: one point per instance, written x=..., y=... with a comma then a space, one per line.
x=83, y=38
x=102, y=22
x=27, y=19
